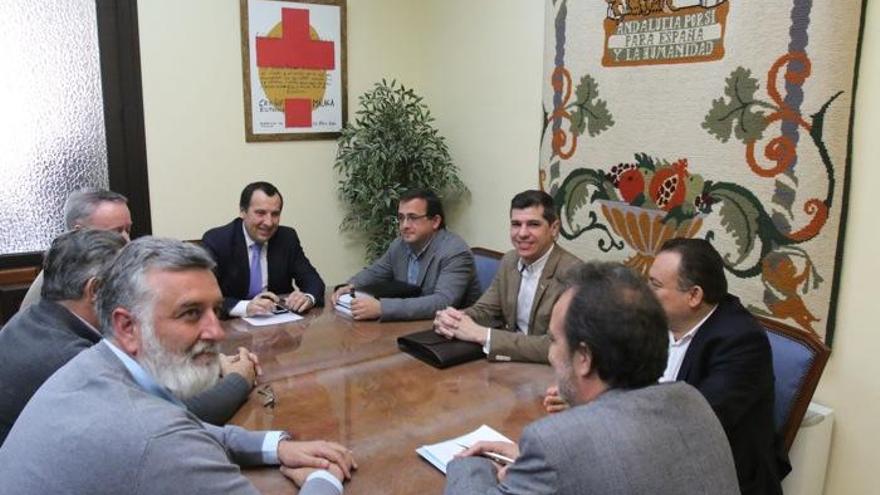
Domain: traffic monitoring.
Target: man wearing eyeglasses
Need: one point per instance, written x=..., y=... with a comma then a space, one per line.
x=426, y=255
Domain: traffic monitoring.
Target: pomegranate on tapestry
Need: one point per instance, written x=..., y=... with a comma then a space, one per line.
x=720, y=119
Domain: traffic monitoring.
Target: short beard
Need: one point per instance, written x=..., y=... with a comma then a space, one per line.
x=177, y=371
x=565, y=385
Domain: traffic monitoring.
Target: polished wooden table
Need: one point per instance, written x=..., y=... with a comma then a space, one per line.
x=346, y=381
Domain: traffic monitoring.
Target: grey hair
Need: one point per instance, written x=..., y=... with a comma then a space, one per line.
x=124, y=285
x=82, y=203
x=74, y=258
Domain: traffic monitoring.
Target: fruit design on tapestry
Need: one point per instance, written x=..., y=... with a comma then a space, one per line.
x=645, y=202
x=668, y=185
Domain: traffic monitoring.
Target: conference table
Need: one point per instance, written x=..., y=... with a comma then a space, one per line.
x=338, y=379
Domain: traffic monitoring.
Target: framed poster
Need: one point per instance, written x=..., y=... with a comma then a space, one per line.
x=293, y=67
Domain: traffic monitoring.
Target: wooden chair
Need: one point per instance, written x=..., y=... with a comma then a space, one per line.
x=799, y=358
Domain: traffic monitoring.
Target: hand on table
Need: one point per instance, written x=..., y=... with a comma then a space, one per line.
x=299, y=302
x=553, y=402
x=316, y=455
x=343, y=289
x=299, y=475
x=366, y=308
x=262, y=304
x=245, y=363
x=452, y=323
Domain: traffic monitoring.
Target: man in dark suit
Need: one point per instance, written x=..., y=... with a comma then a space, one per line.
x=258, y=259
x=625, y=433
x=717, y=346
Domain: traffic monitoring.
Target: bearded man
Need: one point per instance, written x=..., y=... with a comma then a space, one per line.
x=117, y=405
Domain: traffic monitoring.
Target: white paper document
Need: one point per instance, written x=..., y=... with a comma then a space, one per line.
x=343, y=304
x=264, y=320
x=440, y=454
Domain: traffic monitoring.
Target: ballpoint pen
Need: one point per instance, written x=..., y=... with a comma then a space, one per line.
x=500, y=459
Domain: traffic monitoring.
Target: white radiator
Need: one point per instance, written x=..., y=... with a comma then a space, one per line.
x=809, y=453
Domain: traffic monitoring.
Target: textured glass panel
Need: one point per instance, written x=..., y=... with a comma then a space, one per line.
x=52, y=137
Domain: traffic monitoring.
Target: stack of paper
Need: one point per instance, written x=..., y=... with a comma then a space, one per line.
x=441, y=454
x=272, y=319
x=343, y=304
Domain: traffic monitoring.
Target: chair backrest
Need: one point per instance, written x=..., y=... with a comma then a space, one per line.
x=799, y=358
x=487, y=262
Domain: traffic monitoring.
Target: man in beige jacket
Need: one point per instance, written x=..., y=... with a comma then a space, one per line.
x=511, y=319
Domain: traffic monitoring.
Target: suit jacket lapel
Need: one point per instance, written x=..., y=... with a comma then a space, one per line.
x=546, y=274
x=424, y=263
x=427, y=258
x=696, y=346
x=514, y=279
x=240, y=258
x=274, y=255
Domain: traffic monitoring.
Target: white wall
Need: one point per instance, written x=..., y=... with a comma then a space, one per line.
x=478, y=63
x=194, y=116
x=851, y=383
x=484, y=83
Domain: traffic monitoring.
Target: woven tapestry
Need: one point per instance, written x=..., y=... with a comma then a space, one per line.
x=719, y=119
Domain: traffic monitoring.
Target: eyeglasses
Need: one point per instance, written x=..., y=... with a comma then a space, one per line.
x=268, y=396
x=410, y=218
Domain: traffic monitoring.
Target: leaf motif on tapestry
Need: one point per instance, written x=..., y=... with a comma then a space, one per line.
x=585, y=113
x=740, y=114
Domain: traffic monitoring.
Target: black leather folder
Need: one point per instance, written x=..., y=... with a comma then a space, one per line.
x=437, y=350
x=393, y=289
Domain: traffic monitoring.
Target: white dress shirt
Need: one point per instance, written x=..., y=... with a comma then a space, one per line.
x=240, y=308
x=677, y=350
x=528, y=285
x=529, y=277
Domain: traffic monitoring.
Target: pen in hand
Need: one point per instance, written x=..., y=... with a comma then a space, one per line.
x=500, y=459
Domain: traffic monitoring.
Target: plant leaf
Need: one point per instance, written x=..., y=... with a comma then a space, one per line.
x=389, y=148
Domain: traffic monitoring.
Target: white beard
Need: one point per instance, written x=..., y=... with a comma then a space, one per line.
x=177, y=371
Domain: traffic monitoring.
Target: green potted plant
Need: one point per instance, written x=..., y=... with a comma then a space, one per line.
x=391, y=147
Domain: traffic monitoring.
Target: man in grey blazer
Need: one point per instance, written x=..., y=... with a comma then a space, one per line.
x=29, y=361
x=625, y=434
x=439, y=262
x=117, y=405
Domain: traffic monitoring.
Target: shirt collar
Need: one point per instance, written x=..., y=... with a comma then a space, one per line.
x=418, y=255
x=693, y=331
x=142, y=377
x=538, y=265
x=87, y=324
x=247, y=238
